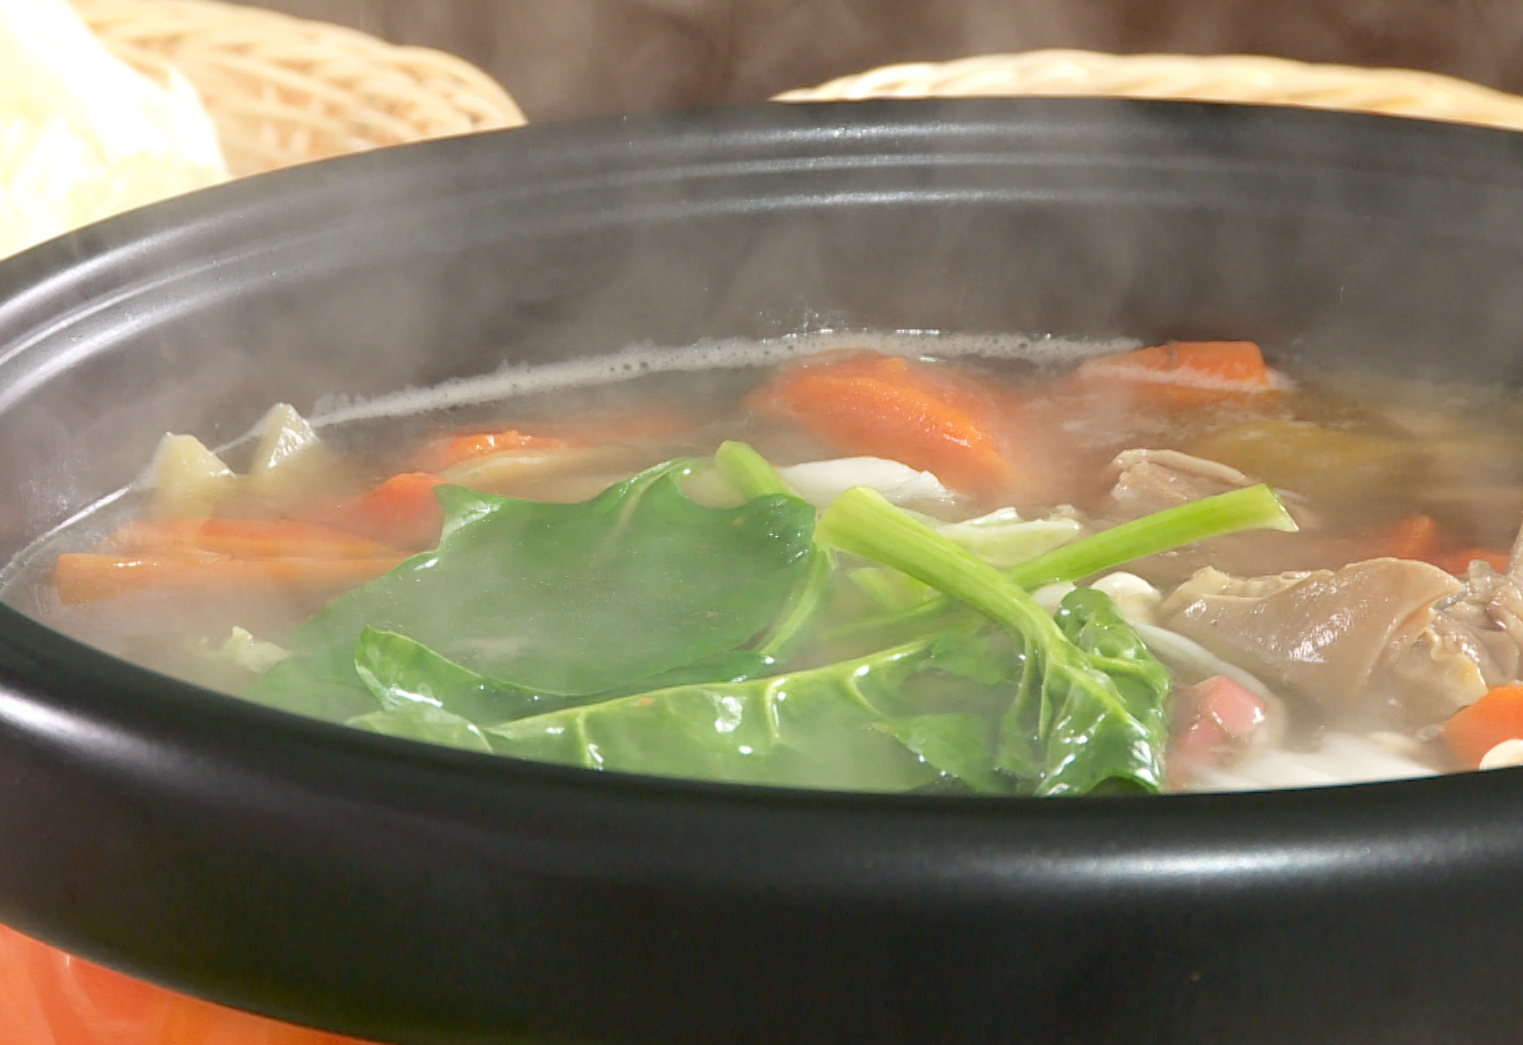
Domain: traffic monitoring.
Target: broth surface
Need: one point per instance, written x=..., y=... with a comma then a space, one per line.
x=1069, y=576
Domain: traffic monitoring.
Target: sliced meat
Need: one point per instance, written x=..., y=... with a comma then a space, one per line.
x=1327, y=635
x=1148, y=481
x=1475, y=640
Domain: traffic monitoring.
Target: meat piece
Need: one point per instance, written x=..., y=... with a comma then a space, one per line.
x=1475, y=640
x=1327, y=635
x=1151, y=480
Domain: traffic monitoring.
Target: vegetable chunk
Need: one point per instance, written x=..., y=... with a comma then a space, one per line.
x=885, y=406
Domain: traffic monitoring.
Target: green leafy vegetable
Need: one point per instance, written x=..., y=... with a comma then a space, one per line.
x=1070, y=736
x=1088, y=700
x=958, y=745
x=579, y=599
x=753, y=476
x=803, y=729
x=426, y=723
x=301, y=686
x=1252, y=508
x=402, y=673
x=399, y=673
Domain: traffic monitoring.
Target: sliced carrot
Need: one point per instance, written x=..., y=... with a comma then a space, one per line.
x=886, y=406
x=80, y=577
x=402, y=512
x=1415, y=537
x=1457, y=560
x=1475, y=730
x=1185, y=373
x=443, y=451
x=244, y=538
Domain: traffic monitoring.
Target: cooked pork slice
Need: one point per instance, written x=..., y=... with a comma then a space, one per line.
x=1326, y=635
x=1474, y=642
x=1151, y=480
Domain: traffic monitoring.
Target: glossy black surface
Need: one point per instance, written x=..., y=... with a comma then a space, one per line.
x=433, y=897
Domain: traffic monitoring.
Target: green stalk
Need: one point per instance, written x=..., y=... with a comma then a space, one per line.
x=1252, y=508
x=753, y=476
x=748, y=471
x=860, y=521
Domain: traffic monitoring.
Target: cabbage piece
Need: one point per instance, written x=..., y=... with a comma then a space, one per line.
x=82, y=135
x=820, y=482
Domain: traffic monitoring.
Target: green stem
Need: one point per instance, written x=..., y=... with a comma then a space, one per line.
x=747, y=471
x=860, y=521
x=1252, y=508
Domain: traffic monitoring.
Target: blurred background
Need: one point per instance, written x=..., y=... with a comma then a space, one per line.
x=562, y=58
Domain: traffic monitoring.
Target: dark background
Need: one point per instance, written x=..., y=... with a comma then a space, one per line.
x=564, y=58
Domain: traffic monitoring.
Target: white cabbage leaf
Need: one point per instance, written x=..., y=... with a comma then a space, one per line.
x=84, y=136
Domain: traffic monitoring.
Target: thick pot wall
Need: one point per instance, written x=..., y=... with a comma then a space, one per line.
x=433, y=897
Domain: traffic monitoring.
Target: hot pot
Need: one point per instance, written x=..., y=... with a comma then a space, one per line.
x=433, y=897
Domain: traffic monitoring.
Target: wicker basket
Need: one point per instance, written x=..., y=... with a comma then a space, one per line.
x=285, y=90
x=1223, y=78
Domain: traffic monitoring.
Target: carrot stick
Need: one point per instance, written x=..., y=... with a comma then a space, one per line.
x=80, y=577
x=886, y=406
x=244, y=538
x=1475, y=730
x=1185, y=373
x=402, y=512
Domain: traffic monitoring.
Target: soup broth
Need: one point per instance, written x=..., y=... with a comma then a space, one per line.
x=887, y=563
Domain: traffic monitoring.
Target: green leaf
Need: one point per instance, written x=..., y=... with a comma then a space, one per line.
x=802, y=729
x=579, y=599
x=961, y=746
x=1071, y=723
x=1072, y=737
x=401, y=673
x=298, y=685
x=424, y=722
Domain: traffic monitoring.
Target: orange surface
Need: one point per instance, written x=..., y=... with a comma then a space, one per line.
x=402, y=512
x=1185, y=373
x=48, y=997
x=886, y=406
x=89, y=577
x=1475, y=730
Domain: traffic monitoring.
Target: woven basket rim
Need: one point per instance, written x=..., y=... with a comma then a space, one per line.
x=283, y=89
x=1243, y=78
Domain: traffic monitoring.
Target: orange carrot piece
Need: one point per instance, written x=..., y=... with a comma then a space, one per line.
x=92, y=576
x=1475, y=730
x=886, y=406
x=1415, y=537
x=1457, y=560
x=445, y=451
x=244, y=538
x=1185, y=373
x=402, y=512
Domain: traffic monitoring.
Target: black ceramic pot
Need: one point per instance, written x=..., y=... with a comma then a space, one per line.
x=433, y=897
